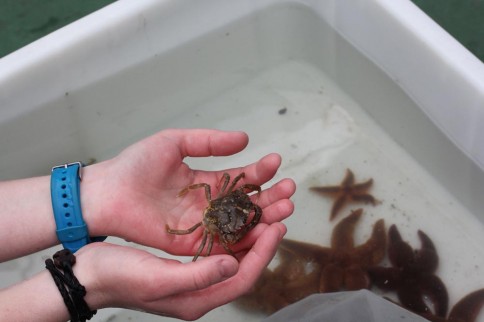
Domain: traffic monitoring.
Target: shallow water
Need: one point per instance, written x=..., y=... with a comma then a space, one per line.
x=295, y=109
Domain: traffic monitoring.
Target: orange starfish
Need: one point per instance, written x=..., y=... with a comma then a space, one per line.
x=305, y=269
x=343, y=266
x=466, y=310
x=348, y=190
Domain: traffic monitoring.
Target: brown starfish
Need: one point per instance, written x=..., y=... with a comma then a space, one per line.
x=343, y=265
x=466, y=310
x=348, y=190
x=306, y=269
x=296, y=277
x=412, y=274
x=347, y=264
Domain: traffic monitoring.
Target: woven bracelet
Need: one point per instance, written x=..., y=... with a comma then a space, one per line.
x=71, y=290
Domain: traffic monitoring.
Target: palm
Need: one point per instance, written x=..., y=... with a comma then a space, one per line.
x=151, y=174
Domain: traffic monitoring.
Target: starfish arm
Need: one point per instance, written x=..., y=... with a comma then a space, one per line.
x=266, y=296
x=349, y=179
x=355, y=278
x=307, y=252
x=386, y=278
x=434, y=288
x=363, y=186
x=290, y=268
x=411, y=298
x=426, y=241
x=303, y=287
x=307, y=281
x=400, y=253
x=372, y=252
x=342, y=236
x=332, y=277
x=337, y=205
x=270, y=301
x=365, y=198
x=327, y=189
x=426, y=258
x=468, y=308
x=425, y=261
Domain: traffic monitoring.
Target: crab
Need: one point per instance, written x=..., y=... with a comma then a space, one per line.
x=227, y=216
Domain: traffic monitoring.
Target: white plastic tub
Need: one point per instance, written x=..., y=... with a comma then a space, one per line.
x=374, y=86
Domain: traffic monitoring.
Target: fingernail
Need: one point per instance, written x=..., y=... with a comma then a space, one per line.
x=282, y=231
x=227, y=268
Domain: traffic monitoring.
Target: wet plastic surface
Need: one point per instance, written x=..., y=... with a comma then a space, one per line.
x=345, y=307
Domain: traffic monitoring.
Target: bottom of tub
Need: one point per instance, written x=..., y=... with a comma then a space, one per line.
x=320, y=132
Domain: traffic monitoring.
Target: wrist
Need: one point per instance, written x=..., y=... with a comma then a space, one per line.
x=71, y=228
x=91, y=194
x=89, y=271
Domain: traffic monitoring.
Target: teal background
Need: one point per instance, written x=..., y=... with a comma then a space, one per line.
x=463, y=19
x=23, y=21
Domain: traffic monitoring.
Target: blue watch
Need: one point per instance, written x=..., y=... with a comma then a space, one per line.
x=71, y=229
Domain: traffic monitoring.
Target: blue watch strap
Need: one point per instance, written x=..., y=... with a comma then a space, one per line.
x=71, y=230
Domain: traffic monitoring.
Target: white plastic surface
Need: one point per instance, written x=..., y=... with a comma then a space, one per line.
x=354, y=306
x=433, y=68
x=354, y=77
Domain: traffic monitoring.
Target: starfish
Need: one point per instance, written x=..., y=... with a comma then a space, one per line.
x=343, y=266
x=466, y=310
x=292, y=280
x=348, y=190
x=412, y=274
x=305, y=268
x=347, y=264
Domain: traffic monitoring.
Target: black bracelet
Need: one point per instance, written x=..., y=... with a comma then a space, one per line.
x=71, y=290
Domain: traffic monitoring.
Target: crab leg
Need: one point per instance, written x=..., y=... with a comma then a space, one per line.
x=182, y=231
x=227, y=249
x=202, y=245
x=225, y=179
x=237, y=178
x=248, y=188
x=185, y=190
x=210, y=243
x=255, y=220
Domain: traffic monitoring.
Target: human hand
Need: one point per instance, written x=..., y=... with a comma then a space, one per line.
x=119, y=276
x=134, y=195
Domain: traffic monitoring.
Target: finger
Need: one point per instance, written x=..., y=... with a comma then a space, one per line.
x=253, y=263
x=256, y=173
x=260, y=171
x=278, y=211
x=283, y=189
x=207, y=142
x=251, y=238
x=250, y=268
x=203, y=273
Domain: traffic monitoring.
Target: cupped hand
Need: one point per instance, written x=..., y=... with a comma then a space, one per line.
x=134, y=195
x=120, y=276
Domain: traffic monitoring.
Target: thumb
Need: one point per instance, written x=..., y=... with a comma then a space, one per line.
x=205, y=272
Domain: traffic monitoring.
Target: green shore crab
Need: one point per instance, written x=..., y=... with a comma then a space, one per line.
x=227, y=216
